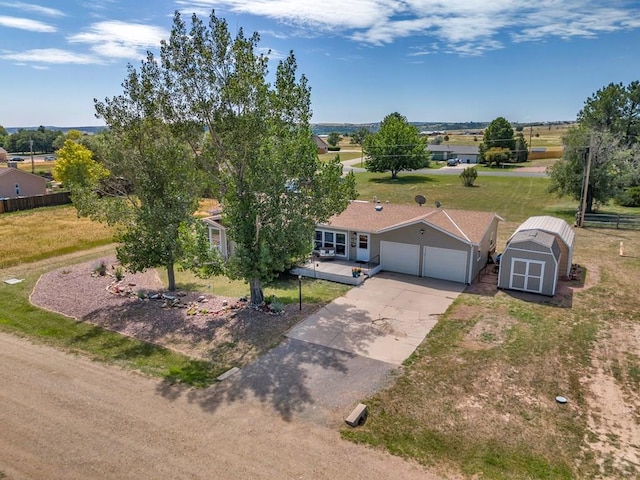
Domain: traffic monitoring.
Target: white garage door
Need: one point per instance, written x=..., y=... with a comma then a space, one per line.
x=444, y=264
x=400, y=257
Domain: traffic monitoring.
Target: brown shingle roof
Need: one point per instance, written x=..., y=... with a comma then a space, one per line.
x=362, y=216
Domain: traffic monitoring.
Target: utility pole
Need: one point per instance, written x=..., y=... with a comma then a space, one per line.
x=530, y=137
x=585, y=186
x=33, y=169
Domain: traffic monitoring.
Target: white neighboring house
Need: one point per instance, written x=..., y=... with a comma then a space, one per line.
x=464, y=153
x=218, y=235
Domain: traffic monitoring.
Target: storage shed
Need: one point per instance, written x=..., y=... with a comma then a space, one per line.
x=531, y=263
x=559, y=229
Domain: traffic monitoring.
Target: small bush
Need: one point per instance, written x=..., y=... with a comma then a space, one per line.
x=630, y=197
x=468, y=176
x=119, y=273
x=100, y=268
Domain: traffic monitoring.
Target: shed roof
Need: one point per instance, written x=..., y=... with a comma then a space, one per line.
x=469, y=226
x=551, y=225
x=536, y=236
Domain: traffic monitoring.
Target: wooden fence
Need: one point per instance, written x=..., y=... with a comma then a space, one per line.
x=27, y=203
x=611, y=220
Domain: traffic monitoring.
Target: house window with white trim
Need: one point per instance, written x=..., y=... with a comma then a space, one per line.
x=331, y=240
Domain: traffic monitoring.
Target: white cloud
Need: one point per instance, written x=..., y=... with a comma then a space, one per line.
x=51, y=56
x=29, y=7
x=26, y=24
x=116, y=39
x=462, y=26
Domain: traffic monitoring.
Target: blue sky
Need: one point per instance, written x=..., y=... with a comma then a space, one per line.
x=430, y=60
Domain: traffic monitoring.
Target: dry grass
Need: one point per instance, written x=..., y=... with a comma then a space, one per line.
x=478, y=396
x=46, y=232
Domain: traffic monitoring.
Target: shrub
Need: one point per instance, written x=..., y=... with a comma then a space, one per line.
x=468, y=176
x=119, y=273
x=100, y=268
x=630, y=197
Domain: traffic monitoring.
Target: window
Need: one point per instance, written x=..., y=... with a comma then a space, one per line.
x=334, y=240
x=17, y=189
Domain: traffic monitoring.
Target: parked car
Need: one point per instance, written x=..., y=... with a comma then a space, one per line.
x=49, y=158
x=452, y=162
x=16, y=159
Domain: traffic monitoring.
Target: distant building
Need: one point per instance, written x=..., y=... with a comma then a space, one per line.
x=16, y=183
x=3, y=155
x=323, y=147
x=464, y=153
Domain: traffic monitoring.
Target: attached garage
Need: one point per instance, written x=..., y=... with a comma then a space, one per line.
x=400, y=257
x=531, y=263
x=444, y=264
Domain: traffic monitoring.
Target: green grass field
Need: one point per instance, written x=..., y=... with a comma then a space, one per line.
x=513, y=198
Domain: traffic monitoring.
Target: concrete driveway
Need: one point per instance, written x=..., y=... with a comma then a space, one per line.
x=383, y=319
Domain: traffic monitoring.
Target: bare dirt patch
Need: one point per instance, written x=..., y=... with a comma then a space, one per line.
x=204, y=326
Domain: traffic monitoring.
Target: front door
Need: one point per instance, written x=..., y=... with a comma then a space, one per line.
x=363, y=247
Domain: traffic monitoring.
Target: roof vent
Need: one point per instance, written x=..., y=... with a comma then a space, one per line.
x=378, y=208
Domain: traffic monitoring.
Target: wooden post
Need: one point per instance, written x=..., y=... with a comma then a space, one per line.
x=585, y=188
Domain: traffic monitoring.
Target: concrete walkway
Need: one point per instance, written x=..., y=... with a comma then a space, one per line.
x=384, y=319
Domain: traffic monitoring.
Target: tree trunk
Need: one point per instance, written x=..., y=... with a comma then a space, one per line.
x=589, y=204
x=257, y=297
x=394, y=174
x=171, y=276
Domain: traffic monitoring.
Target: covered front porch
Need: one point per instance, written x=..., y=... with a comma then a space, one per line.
x=340, y=271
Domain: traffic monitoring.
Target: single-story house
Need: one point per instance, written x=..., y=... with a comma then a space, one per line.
x=323, y=147
x=17, y=183
x=464, y=153
x=538, y=253
x=416, y=240
x=3, y=155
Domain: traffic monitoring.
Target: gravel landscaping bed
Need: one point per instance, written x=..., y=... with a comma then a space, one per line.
x=215, y=328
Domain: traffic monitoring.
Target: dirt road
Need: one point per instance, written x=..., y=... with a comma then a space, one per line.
x=64, y=417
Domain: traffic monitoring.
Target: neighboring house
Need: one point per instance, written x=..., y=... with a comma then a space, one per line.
x=429, y=242
x=218, y=235
x=323, y=147
x=3, y=155
x=538, y=253
x=17, y=183
x=466, y=154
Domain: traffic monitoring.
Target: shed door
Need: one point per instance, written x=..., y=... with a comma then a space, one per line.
x=400, y=257
x=526, y=275
x=445, y=264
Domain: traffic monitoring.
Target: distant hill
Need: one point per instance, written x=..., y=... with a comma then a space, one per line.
x=347, y=128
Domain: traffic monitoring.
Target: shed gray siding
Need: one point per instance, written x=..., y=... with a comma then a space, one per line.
x=530, y=250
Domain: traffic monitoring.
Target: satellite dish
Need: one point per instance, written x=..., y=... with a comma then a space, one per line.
x=438, y=204
x=420, y=200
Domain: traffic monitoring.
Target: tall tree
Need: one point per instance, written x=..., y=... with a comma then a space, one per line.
x=396, y=146
x=359, y=135
x=521, y=153
x=614, y=109
x=258, y=153
x=153, y=187
x=334, y=138
x=609, y=165
x=499, y=134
